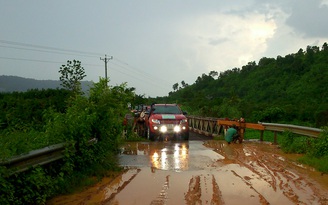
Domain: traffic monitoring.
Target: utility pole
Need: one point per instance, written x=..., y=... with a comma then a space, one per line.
x=106, y=60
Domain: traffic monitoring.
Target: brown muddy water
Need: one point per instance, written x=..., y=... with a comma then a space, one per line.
x=205, y=172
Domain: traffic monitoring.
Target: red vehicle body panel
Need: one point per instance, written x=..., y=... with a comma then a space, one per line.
x=174, y=120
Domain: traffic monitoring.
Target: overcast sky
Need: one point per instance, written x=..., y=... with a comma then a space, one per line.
x=154, y=43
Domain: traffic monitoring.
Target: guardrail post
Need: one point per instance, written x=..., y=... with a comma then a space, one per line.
x=242, y=127
x=275, y=137
x=261, y=135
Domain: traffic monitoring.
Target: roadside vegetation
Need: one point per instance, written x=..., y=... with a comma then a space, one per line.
x=39, y=118
x=290, y=89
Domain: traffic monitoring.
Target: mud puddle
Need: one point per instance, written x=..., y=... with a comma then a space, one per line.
x=209, y=172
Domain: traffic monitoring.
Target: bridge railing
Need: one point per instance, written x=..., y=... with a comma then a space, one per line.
x=202, y=125
x=214, y=126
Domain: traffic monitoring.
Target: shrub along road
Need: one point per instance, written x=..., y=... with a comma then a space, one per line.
x=203, y=171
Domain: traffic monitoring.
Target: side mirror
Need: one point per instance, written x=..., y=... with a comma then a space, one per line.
x=184, y=113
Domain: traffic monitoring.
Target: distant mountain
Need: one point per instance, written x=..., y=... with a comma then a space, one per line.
x=19, y=84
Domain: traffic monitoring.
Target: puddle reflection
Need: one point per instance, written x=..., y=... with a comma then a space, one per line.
x=171, y=158
x=164, y=156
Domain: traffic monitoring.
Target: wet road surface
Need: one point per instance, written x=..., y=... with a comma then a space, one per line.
x=205, y=172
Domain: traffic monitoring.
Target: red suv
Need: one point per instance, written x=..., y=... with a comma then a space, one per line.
x=167, y=121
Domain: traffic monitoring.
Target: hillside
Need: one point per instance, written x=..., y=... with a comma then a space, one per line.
x=290, y=89
x=15, y=83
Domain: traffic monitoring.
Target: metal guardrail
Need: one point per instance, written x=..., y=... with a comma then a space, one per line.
x=305, y=131
x=37, y=157
x=34, y=158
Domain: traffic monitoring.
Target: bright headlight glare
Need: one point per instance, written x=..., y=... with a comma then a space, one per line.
x=177, y=129
x=183, y=121
x=163, y=129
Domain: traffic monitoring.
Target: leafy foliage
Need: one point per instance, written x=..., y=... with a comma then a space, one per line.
x=91, y=126
x=292, y=143
x=290, y=89
x=71, y=75
x=23, y=111
x=319, y=147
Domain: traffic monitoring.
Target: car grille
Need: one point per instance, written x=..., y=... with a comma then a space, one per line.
x=175, y=122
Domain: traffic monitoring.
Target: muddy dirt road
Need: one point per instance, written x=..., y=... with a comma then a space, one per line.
x=206, y=172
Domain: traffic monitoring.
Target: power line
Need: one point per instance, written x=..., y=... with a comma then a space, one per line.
x=47, y=47
x=46, y=51
x=149, y=80
x=41, y=61
x=106, y=60
x=117, y=70
x=136, y=70
x=33, y=60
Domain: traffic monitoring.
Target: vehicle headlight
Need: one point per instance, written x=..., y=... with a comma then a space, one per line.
x=177, y=129
x=156, y=121
x=163, y=129
x=183, y=121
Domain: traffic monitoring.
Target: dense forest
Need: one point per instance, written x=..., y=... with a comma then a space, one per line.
x=19, y=84
x=290, y=89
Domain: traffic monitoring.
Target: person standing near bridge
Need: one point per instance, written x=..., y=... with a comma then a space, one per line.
x=231, y=134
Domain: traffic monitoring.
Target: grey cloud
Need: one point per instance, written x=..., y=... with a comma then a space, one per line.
x=309, y=18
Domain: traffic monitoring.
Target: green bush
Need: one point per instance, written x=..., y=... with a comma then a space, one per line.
x=292, y=143
x=319, y=146
x=18, y=142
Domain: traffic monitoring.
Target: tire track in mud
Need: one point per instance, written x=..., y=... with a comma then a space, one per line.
x=193, y=196
x=217, y=194
x=262, y=199
x=276, y=174
x=163, y=196
x=199, y=193
x=247, y=173
x=273, y=169
x=118, y=187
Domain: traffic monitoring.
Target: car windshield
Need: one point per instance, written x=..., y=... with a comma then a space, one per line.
x=167, y=110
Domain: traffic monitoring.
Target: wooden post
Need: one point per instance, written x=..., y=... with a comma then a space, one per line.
x=275, y=137
x=261, y=136
x=242, y=133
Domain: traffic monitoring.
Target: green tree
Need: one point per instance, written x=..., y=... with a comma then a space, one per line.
x=175, y=86
x=213, y=74
x=71, y=75
x=184, y=84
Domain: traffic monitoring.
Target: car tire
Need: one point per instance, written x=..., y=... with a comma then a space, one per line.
x=186, y=136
